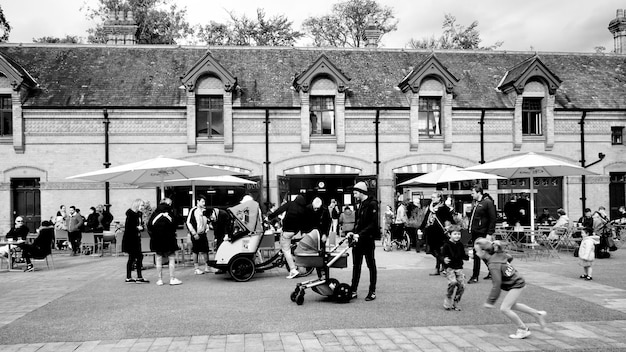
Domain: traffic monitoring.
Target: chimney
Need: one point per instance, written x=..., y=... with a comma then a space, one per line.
x=120, y=28
x=617, y=27
x=372, y=33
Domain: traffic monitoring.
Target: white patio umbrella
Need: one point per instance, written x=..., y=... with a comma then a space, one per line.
x=531, y=165
x=153, y=171
x=447, y=175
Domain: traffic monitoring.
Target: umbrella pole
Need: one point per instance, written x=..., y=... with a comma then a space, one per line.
x=193, y=193
x=162, y=187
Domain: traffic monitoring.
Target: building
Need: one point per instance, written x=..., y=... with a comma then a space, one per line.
x=303, y=119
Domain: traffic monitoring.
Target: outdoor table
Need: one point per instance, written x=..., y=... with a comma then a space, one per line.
x=10, y=243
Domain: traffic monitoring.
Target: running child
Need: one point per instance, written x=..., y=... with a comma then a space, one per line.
x=505, y=277
x=453, y=254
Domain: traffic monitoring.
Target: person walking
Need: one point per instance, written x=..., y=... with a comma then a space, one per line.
x=131, y=242
x=506, y=278
x=296, y=218
x=346, y=220
x=437, y=217
x=334, y=213
x=198, y=225
x=482, y=224
x=453, y=254
x=365, y=231
x=74, y=229
x=162, y=230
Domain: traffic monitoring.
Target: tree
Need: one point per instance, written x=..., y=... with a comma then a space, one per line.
x=454, y=36
x=345, y=25
x=68, y=39
x=5, y=28
x=157, y=23
x=274, y=31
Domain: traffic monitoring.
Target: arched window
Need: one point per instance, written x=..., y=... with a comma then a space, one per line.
x=322, y=107
x=209, y=107
x=6, y=107
x=533, y=107
x=429, y=115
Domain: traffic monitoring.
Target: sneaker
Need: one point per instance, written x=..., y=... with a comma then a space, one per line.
x=141, y=280
x=175, y=281
x=588, y=278
x=434, y=273
x=447, y=303
x=293, y=273
x=159, y=282
x=520, y=334
x=354, y=295
x=488, y=277
x=131, y=280
x=370, y=296
x=583, y=276
x=198, y=272
x=541, y=318
x=473, y=280
x=455, y=306
x=29, y=268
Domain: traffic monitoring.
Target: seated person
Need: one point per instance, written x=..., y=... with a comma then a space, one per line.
x=586, y=220
x=19, y=231
x=41, y=247
x=545, y=218
x=561, y=223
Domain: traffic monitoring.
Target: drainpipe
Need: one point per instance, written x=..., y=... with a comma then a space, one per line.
x=482, y=136
x=583, y=187
x=377, y=161
x=106, y=163
x=267, y=159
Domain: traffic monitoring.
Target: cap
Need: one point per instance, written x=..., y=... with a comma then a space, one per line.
x=361, y=187
x=246, y=198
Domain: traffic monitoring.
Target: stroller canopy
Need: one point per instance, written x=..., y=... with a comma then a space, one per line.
x=309, y=244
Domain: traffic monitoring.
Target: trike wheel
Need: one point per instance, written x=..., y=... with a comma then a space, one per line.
x=241, y=269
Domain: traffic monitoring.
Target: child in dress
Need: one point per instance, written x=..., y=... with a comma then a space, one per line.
x=453, y=254
x=586, y=252
x=505, y=277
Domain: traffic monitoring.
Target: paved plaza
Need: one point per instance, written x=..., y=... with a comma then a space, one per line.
x=26, y=296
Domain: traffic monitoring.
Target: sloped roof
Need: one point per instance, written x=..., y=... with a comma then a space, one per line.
x=149, y=76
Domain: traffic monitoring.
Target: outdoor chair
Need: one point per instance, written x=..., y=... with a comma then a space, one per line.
x=110, y=241
x=60, y=237
x=90, y=244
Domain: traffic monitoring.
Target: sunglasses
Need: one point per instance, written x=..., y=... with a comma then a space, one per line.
x=19, y=220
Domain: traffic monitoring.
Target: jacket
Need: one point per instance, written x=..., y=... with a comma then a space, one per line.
x=366, y=222
x=295, y=214
x=75, y=223
x=18, y=233
x=131, y=242
x=483, y=219
x=503, y=276
x=434, y=227
x=319, y=220
x=587, y=247
x=162, y=230
x=346, y=220
x=456, y=252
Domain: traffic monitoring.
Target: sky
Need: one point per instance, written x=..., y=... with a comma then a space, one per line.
x=528, y=25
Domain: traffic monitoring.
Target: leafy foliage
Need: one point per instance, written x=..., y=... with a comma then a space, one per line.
x=5, y=28
x=158, y=21
x=345, y=25
x=454, y=36
x=274, y=31
x=68, y=39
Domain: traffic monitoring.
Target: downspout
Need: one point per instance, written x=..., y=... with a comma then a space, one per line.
x=106, y=163
x=482, y=136
x=267, y=159
x=583, y=186
x=377, y=161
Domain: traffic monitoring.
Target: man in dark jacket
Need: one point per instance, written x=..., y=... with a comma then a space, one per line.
x=365, y=231
x=482, y=224
x=296, y=216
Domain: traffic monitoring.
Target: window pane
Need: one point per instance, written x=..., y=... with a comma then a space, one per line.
x=617, y=135
x=6, y=116
x=217, y=123
x=531, y=116
x=322, y=115
x=429, y=116
x=202, y=123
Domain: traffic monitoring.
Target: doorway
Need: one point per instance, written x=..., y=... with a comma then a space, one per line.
x=26, y=201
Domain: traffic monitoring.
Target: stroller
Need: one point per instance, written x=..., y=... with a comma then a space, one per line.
x=311, y=252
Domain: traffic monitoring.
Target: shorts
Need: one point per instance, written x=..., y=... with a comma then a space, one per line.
x=200, y=245
x=166, y=254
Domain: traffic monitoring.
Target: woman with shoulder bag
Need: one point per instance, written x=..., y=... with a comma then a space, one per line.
x=433, y=226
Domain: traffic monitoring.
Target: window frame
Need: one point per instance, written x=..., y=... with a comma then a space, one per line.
x=6, y=116
x=210, y=111
x=424, y=128
x=617, y=135
x=321, y=112
x=529, y=114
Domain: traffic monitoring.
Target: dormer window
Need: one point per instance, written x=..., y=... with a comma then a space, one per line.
x=6, y=115
x=531, y=117
x=209, y=115
x=322, y=115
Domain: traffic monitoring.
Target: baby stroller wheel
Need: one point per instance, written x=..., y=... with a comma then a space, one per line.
x=294, y=294
x=343, y=292
x=241, y=269
x=306, y=271
x=300, y=297
x=333, y=284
